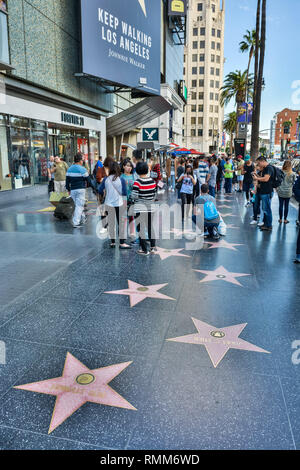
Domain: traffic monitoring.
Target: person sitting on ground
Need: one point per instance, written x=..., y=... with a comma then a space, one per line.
x=211, y=214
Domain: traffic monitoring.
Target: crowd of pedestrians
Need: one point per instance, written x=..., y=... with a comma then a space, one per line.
x=127, y=192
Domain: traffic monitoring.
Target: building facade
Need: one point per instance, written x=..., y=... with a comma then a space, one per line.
x=167, y=120
x=203, y=74
x=286, y=115
x=46, y=106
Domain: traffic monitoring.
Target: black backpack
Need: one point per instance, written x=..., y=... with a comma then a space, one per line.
x=65, y=208
x=278, y=177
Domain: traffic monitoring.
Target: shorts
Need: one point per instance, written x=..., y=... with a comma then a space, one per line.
x=240, y=178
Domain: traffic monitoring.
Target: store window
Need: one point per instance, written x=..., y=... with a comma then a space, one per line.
x=20, y=163
x=39, y=151
x=5, y=177
x=4, y=51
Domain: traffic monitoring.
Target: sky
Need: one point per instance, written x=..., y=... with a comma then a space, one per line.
x=282, y=62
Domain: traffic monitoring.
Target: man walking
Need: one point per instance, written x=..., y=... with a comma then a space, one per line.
x=59, y=169
x=212, y=177
x=76, y=183
x=266, y=191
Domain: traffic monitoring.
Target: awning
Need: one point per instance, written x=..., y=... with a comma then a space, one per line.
x=137, y=115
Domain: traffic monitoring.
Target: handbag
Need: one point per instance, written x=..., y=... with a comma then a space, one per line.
x=160, y=184
x=178, y=185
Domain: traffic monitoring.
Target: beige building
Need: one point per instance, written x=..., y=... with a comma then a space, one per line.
x=203, y=74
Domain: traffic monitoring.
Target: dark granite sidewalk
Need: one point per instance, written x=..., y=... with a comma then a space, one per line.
x=210, y=387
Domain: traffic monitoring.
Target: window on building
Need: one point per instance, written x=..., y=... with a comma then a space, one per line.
x=201, y=82
x=202, y=31
x=195, y=31
x=4, y=50
x=213, y=32
x=193, y=132
x=194, y=83
x=211, y=96
x=193, y=108
x=210, y=132
x=218, y=72
x=200, y=132
x=184, y=58
x=212, y=70
x=211, y=108
x=218, y=85
x=217, y=96
x=212, y=57
x=194, y=95
x=183, y=70
x=194, y=57
x=194, y=70
x=218, y=46
x=201, y=70
x=200, y=108
x=201, y=95
x=211, y=121
x=219, y=33
x=213, y=45
x=218, y=58
x=183, y=121
x=216, y=109
x=213, y=7
x=202, y=44
x=200, y=6
x=202, y=57
x=200, y=120
x=193, y=121
x=195, y=44
x=216, y=123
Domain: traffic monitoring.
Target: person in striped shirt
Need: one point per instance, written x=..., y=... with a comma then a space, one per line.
x=143, y=194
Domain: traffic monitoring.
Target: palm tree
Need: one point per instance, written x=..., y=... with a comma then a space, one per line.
x=260, y=47
x=235, y=87
x=248, y=44
x=229, y=126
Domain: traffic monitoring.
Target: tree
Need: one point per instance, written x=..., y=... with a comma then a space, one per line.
x=248, y=44
x=235, y=87
x=260, y=47
x=229, y=126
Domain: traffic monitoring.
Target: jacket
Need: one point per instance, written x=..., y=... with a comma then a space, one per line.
x=285, y=190
x=77, y=177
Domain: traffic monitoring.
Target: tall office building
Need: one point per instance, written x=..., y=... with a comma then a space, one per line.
x=203, y=74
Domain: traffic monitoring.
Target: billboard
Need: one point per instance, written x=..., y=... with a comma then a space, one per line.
x=121, y=42
x=242, y=110
x=177, y=7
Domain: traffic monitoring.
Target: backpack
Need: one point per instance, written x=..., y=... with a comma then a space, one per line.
x=296, y=189
x=278, y=176
x=65, y=208
x=210, y=211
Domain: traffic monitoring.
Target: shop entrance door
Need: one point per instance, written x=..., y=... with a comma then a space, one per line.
x=63, y=146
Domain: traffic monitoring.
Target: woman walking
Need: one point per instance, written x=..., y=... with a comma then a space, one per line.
x=127, y=175
x=285, y=191
x=115, y=192
x=187, y=190
x=247, y=171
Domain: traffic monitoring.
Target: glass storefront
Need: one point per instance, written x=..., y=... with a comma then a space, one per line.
x=26, y=144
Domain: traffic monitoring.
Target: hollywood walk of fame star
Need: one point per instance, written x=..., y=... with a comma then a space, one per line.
x=79, y=385
x=218, y=341
x=143, y=6
x=164, y=253
x=221, y=274
x=225, y=207
x=231, y=226
x=224, y=244
x=230, y=214
x=138, y=292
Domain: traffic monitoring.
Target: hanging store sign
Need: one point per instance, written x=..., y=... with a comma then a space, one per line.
x=121, y=42
x=151, y=134
x=177, y=7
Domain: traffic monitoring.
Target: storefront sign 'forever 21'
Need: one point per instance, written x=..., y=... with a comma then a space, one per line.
x=121, y=42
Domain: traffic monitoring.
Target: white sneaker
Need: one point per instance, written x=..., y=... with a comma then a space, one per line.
x=254, y=222
x=103, y=230
x=260, y=224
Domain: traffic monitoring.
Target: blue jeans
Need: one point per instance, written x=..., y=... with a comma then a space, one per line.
x=267, y=210
x=228, y=185
x=212, y=191
x=172, y=181
x=78, y=196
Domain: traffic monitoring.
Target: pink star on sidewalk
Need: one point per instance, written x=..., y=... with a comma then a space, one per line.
x=221, y=274
x=138, y=292
x=225, y=207
x=218, y=341
x=229, y=215
x=224, y=244
x=231, y=226
x=164, y=253
x=78, y=385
